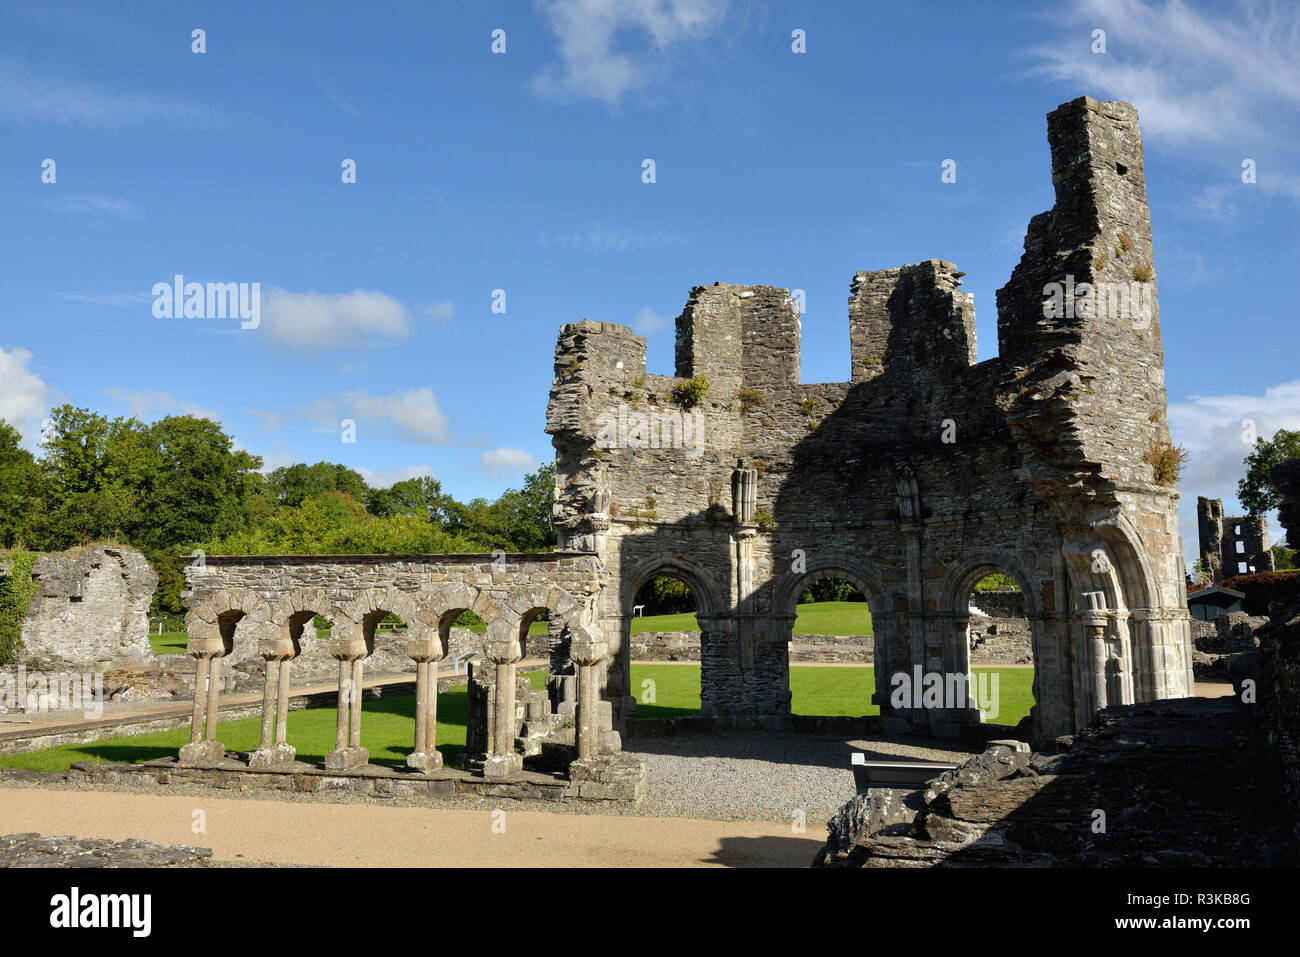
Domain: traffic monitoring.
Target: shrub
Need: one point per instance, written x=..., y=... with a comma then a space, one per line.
x=1143, y=272
x=690, y=393
x=764, y=518
x=810, y=405
x=749, y=398
x=16, y=590
x=1166, y=462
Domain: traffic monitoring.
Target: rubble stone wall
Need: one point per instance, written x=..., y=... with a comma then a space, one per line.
x=91, y=605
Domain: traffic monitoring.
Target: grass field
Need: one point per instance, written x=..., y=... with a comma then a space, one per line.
x=388, y=726
x=815, y=618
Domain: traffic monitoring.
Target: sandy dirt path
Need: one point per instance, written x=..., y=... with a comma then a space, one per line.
x=331, y=835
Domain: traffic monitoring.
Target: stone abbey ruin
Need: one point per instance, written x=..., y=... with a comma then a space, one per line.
x=917, y=477
x=914, y=479
x=921, y=474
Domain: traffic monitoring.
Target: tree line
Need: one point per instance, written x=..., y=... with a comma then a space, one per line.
x=180, y=484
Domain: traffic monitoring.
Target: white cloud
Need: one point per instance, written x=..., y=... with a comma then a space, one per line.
x=592, y=34
x=647, y=323
x=26, y=97
x=507, y=460
x=1213, y=429
x=1223, y=84
x=391, y=477
x=413, y=416
x=312, y=321
x=147, y=404
x=24, y=397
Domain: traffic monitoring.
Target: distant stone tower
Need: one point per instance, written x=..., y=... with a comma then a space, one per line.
x=1232, y=544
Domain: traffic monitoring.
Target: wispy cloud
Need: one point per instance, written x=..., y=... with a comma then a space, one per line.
x=609, y=48
x=147, y=404
x=30, y=97
x=1222, y=84
x=605, y=239
x=507, y=460
x=107, y=299
x=647, y=323
x=95, y=206
x=313, y=321
x=390, y=477
x=413, y=416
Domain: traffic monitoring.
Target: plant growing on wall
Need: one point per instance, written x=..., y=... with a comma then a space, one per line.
x=16, y=590
x=690, y=393
x=1166, y=462
x=750, y=398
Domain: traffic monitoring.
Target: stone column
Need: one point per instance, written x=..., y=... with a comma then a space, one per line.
x=504, y=761
x=426, y=654
x=204, y=746
x=348, y=753
x=274, y=750
x=588, y=655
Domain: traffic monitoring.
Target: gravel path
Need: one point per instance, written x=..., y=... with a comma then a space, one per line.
x=769, y=776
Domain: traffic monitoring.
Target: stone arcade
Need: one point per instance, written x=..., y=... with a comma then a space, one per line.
x=914, y=479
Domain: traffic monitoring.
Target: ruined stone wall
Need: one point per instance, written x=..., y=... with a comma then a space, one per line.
x=91, y=605
x=1231, y=544
x=914, y=478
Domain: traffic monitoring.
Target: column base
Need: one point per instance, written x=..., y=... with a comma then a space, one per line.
x=202, y=752
x=345, y=759
x=424, y=760
x=272, y=757
x=502, y=765
x=609, y=777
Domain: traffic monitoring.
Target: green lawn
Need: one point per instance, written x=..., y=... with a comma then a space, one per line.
x=814, y=690
x=388, y=725
x=168, y=643
x=814, y=618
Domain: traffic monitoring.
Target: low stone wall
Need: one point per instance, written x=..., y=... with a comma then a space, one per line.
x=999, y=604
x=1000, y=640
x=993, y=641
x=685, y=646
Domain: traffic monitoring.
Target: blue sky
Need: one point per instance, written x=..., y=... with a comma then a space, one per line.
x=522, y=171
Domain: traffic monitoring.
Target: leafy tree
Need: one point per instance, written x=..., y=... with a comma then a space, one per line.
x=199, y=485
x=20, y=479
x=1256, y=490
x=95, y=470
x=1283, y=558
x=292, y=485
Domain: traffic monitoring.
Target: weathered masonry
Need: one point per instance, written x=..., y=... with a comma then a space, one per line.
x=268, y=601
x=915, y=478
x=1231, y=544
